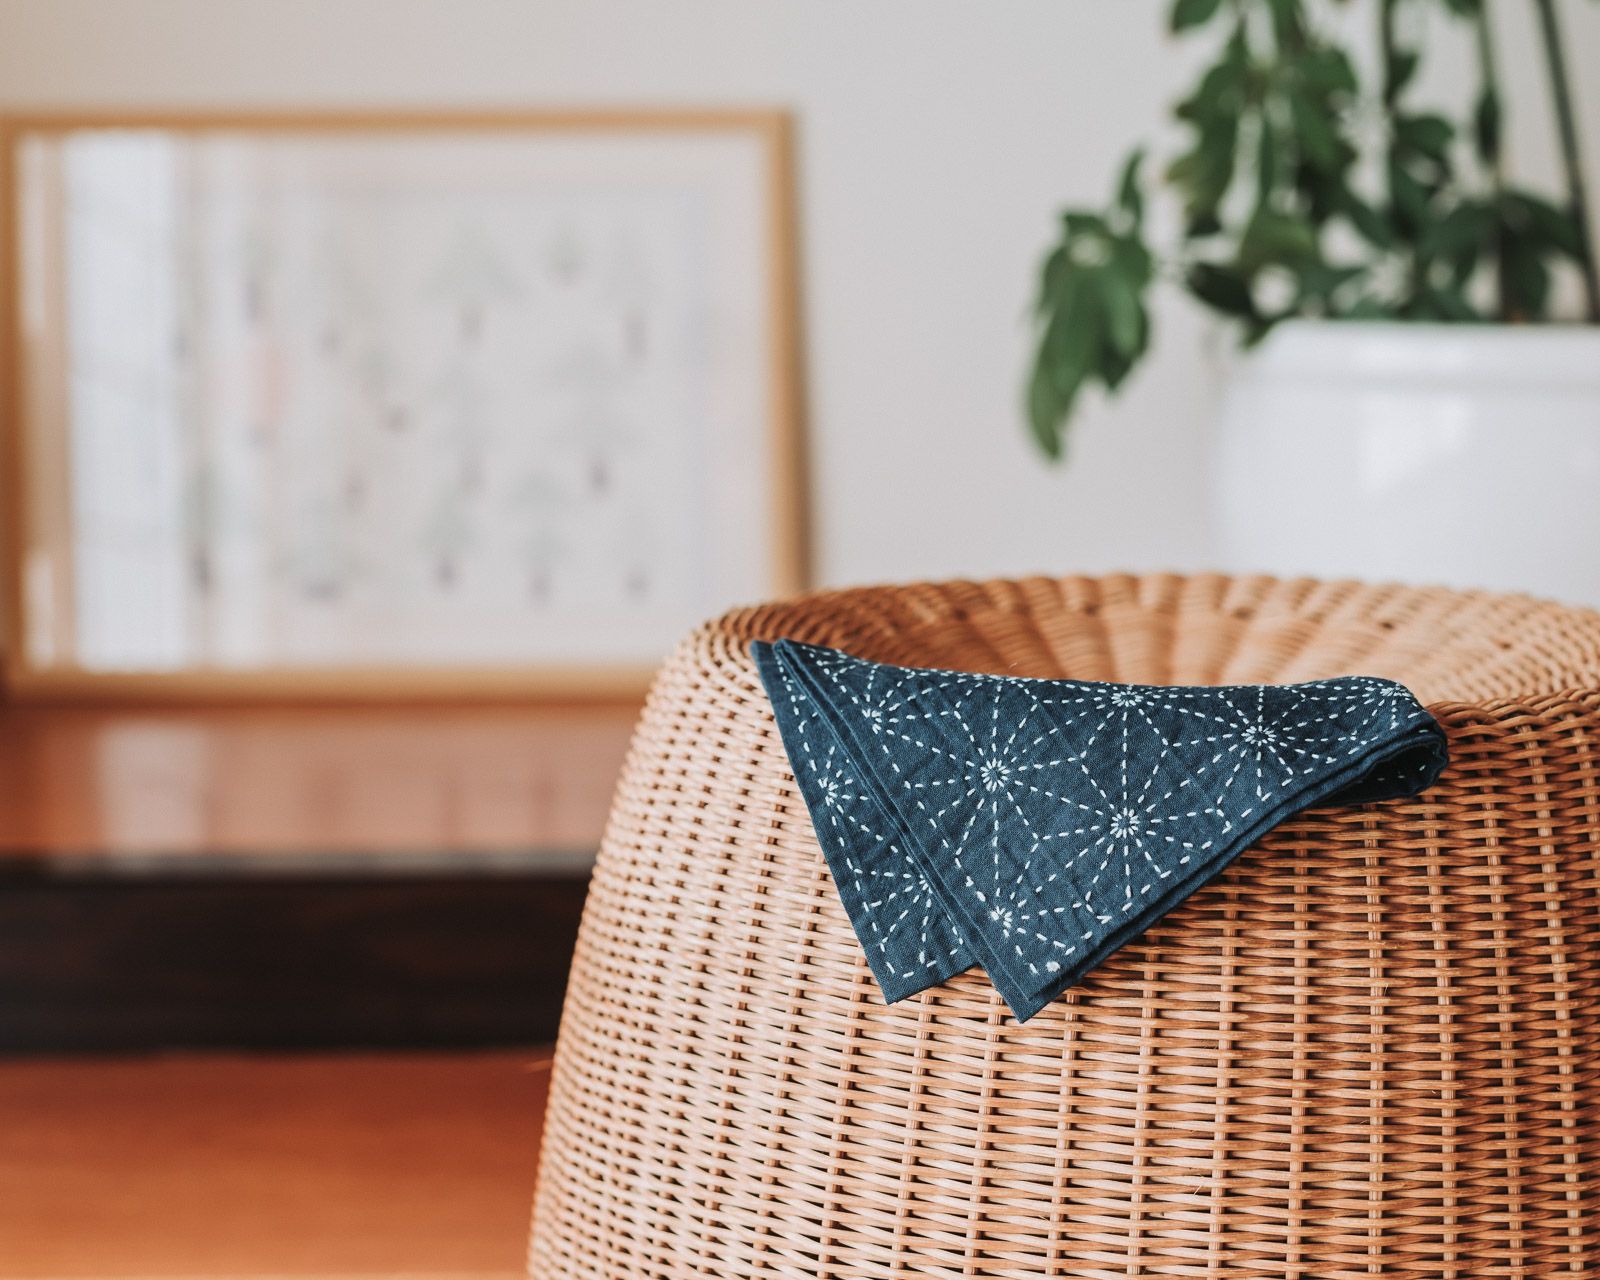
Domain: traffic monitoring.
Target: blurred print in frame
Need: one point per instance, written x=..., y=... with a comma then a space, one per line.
x=393, y=404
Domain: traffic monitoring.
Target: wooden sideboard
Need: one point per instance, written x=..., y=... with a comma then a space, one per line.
x=295, y=876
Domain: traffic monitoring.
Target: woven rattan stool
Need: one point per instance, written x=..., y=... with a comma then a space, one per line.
x=1371, y=1048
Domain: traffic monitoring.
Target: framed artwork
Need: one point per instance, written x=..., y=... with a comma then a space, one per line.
x=392, y=405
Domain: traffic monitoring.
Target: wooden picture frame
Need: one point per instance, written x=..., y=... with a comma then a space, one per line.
x=43, y=645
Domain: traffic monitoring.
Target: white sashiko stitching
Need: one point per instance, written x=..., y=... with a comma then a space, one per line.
x=1033, y=826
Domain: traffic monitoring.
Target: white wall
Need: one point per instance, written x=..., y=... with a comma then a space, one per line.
x=937, y=138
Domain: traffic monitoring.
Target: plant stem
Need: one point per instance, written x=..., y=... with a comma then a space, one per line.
x=1490, y=102
x=1577, y=196
x=1386, y=52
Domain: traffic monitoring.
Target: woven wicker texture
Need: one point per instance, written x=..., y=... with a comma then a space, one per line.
x=1371, y=1048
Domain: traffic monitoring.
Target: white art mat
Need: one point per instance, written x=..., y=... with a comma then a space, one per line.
x=411, y=398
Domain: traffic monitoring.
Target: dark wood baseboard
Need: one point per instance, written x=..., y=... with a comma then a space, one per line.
x=303, y=954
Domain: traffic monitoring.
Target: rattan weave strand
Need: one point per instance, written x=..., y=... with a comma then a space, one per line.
x=1371, y=1048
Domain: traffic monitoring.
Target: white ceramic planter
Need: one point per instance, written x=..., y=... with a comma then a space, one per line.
x=1463, y=455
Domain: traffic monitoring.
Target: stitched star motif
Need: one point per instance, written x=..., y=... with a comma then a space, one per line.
x=1033, y=825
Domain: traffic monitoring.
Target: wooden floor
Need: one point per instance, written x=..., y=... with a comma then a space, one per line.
x=397, y=1166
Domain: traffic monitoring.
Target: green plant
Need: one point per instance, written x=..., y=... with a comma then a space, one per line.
x=1301, y=195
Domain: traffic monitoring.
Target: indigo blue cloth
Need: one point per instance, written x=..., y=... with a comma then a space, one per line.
x=1034, y=826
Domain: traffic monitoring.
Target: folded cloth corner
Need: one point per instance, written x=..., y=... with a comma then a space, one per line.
x=1034, y=826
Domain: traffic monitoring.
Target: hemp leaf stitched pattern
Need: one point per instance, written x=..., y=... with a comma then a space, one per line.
x=1034, y=826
